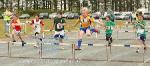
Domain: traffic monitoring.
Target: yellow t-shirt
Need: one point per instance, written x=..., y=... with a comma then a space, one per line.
x=86, y=22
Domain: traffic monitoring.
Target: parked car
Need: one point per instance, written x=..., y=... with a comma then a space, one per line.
x=24, y=16
x=65, y=15
x=76, y=15
x=73, y=16
x=118, y=15
x=96, y=16
x=53, y=15
x=126, y=15
x=43, y=15
x=146, y=16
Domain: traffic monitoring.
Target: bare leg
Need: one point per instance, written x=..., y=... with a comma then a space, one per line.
x=88, y=32
x=13, y=36
x=20, y=37
x=23, y=43
x=37, y=40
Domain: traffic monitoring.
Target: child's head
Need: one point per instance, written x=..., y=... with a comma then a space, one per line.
x=84, y=11
x=140, y=13
x=15, y=17
x=107, y=18
x=140, y=17
x=36, y=16
x=59, y=14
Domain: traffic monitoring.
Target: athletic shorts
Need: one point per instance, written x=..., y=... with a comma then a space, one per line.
x=59, y=34
x=17, y=32
x=142, y=37
x=37, y=30
x=108, y=36
x=84, y=29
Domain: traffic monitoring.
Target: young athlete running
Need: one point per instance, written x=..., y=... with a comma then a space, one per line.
x=38, y=26
x=59, y=24
x=109, y=29
x=15, y=24
x=86, y=23
x=140, y=30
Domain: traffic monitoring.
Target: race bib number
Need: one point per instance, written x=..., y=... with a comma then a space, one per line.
x=140, y=31
x=59, y=26
x=109, y=27
x=84, y=20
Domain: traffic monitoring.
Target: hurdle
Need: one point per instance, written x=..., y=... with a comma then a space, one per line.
x=108, y=58
x=109, y=53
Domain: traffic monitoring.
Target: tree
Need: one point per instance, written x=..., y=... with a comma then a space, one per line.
x=65, y=5
x=55, y=5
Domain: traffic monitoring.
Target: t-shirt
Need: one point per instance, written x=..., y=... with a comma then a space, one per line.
x=140, y=27
x=7, y=15
x=109, y=27
x=86, y=22
x=37, y=23
x=57, y=22
x=16, y=27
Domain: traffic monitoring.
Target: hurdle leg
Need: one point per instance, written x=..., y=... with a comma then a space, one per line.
x=107, y=53
x=110, y=52
x=73, y=52
x=41, y=51
x=9, y=49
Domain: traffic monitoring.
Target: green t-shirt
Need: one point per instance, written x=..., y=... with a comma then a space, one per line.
x=56, y=24
x=140, y=27
x=109, y=27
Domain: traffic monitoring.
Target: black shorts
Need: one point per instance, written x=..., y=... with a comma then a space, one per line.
x=142, y=37
x=108, y=36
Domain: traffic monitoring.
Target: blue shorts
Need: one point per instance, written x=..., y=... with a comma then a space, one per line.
x=84, y=29
x=58, y=36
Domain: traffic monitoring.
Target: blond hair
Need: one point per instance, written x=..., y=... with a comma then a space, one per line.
x=84, y=9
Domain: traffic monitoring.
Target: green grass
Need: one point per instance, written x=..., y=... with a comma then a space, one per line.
x=1, y=29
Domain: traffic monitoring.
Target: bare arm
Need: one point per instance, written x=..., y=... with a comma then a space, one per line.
x=78, y=21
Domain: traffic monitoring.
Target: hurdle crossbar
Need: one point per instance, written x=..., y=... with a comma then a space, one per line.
x=67, y=44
